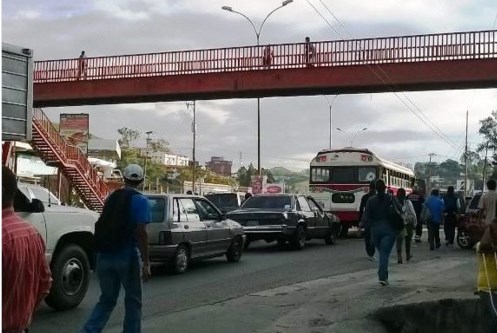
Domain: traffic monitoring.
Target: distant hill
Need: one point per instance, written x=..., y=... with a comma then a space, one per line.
x=291, y=178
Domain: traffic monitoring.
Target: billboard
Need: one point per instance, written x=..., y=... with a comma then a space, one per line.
x=17, y=93
x=75, y=129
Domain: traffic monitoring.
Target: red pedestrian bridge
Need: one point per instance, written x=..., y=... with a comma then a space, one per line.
x=460, y=60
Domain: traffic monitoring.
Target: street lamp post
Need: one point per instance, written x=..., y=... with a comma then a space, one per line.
x=351, y=135
x=257, y=35
x=330, y=104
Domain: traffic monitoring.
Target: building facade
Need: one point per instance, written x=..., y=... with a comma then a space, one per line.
x=219, y=166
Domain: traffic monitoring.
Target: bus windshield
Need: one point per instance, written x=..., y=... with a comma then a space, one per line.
x=343, y=175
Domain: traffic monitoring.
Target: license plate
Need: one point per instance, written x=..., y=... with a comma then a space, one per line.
x=252, y=223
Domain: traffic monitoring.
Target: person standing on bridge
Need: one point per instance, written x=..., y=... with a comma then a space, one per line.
x=267, y=56
x=82, y=65
x=309, y=52
x=377, y=214
x=121, y=243
x=26, y=276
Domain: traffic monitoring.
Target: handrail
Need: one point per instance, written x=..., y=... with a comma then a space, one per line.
x=71, y=155
x=367, y=51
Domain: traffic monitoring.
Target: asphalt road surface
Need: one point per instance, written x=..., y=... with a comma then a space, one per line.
x=263, y=266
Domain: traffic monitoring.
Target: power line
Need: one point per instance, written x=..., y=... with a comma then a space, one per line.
x=435, y=129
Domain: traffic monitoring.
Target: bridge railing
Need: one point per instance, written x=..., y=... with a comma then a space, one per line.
x=368, y=51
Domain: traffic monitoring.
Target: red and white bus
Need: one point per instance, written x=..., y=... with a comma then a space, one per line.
x=339, y=178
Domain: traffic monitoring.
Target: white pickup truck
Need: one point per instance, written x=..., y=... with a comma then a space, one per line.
x=68, y=234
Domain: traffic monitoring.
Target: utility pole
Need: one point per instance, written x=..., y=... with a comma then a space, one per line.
x=194, y=131
x=485, y=167
x=466, y=160
x=429, y=173
x=146, y=158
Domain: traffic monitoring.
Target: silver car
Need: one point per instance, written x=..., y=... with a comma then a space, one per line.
x=189, y=227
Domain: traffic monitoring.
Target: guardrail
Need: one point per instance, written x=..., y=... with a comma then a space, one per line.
x=71, y=156
x=368, y=51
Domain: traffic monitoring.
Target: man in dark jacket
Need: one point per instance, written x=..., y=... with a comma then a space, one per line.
x=370, y=249
x=417, y=200
x=452, y=206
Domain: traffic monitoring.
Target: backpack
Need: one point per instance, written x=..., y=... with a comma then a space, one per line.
x=395, y=216
x=114, y=229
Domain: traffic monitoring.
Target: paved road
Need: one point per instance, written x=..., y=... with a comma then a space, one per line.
x=263, y=266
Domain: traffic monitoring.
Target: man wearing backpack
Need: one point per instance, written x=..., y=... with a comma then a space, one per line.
x=121, y=243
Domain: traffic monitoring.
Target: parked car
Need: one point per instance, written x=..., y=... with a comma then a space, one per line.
x=470, y=228
x=68, y=235
x=226, y=202
x=189, y=227
x=285, y=217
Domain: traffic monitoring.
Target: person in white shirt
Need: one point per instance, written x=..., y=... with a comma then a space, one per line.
x=410, y=221
x=487, y=203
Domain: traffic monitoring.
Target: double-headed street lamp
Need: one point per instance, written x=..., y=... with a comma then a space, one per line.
x=258, y=35
x=351, y=135
x=330, y=104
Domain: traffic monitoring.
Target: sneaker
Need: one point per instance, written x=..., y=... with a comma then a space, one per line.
x=372, y=258
x=399, y=261
x=438, y=245
x=384, y=283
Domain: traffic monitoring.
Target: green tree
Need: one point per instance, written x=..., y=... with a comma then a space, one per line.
x=159, y=145
x=128, y=136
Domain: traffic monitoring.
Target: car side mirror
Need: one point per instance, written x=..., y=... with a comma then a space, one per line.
x=36, y=206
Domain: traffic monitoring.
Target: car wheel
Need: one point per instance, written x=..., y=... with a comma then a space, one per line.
x=247, y=243
x=181, y=259
x=299, y=238
x=71, y=276
x=235, y=251
x=330, y=239
x=463, y=240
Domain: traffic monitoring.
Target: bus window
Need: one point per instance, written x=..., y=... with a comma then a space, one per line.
x=319, y=175
x=367, y=174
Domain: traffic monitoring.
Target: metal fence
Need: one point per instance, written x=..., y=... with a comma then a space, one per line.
x=368, y=51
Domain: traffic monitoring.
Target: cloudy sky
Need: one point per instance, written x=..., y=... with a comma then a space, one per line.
x=293, y=128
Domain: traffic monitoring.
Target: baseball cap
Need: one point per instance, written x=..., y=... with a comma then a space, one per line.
x=133, y=172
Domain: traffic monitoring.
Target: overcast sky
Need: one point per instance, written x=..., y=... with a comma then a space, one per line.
x=293, y=129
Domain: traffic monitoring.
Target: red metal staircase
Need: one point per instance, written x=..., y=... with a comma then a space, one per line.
x=54, y=151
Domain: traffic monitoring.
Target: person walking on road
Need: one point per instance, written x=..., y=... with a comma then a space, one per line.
x=487, y=274
x=488, y=202
x=370, y=249
x=26, y=277
x=410, y=221
x=417, y=200
x=436, y=207
x=383, y=233
x=121, y=242
x=452, y=207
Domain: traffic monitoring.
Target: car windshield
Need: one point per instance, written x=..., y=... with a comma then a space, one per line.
x=269, y=202
x=474, y=202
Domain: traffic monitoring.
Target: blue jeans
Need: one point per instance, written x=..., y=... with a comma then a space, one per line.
x=384, y=239
x=113, y=271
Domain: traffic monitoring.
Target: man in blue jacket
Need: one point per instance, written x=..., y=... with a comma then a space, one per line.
x=436, y=207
